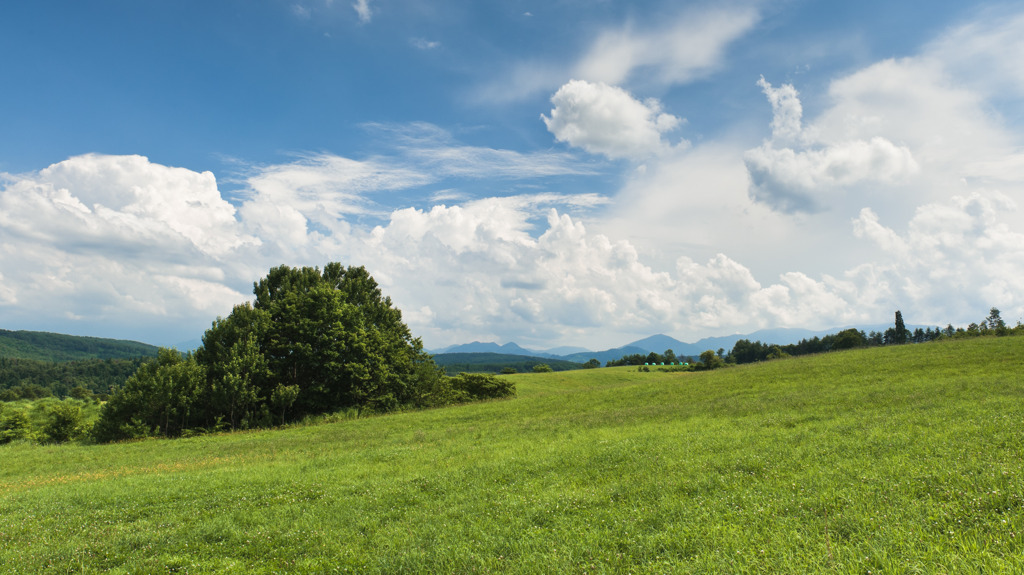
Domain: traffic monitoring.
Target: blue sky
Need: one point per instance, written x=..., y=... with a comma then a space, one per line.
x=551, y=173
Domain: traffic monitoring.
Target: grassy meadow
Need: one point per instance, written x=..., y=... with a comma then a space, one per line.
x=901, y=459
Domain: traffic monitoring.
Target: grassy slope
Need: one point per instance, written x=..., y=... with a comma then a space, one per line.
x=886, y=460
x=44, y=346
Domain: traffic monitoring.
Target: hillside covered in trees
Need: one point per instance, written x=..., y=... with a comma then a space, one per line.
x=36, y=364
x=56, y=347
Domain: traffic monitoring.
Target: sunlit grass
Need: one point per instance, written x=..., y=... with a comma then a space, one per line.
x=900, y=460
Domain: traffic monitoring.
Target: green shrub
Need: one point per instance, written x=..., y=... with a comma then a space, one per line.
x=482, y=386
x=65, y=423
x=14, y=425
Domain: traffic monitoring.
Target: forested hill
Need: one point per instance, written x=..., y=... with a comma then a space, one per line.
x=55, y=347
x=497, y=362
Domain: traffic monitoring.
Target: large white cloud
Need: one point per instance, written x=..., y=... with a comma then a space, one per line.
x=607, y=120
x=470, y=268
x=122, y=246
x=463, y=271
x=485, y=269
x=796, y=171
x=112, y=240
x=127, y=199
x=962, y=250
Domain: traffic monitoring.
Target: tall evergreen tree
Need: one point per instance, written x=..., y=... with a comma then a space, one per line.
x=901, y=334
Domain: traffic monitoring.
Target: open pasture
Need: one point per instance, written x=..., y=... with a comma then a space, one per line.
x=903, y=459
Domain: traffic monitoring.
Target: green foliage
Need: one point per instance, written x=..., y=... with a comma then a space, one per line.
x=477, y=386
x=312, y=342
x=900, y=331
x=284, y=397
x=47, y=420
x=710, y=360
x=55, y=347
x=159, y=399
x=542, y=368
x=995, y=322
x=14, y=425
x=591, y=364
x=336, y=336
x=849, y=339
x=668, y=358
x=484, y=362
x=34, y=379
x=65, y=423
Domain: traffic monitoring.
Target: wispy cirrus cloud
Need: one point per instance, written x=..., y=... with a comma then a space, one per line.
x=433, y=150
x=690, y=46
x=424, y=44
x=675, y=50
x=363, y=10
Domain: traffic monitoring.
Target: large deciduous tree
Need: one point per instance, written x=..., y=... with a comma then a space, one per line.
x=338, y=338
x=311, y=342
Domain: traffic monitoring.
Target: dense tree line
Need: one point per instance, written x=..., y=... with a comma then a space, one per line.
x=33, y=379
x=311, y=342
x=746, y=351
x=667, y=358
x=477, y=362
x=46, y=420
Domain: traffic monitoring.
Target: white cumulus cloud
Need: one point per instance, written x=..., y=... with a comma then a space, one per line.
x=607, y=120
x=117, y=239
x=797, y=171
x=963, y=250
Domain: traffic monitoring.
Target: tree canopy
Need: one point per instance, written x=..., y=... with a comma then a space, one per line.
x=311, y=342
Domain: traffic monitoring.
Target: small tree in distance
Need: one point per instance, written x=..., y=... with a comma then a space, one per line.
x=283, y=397
x=995, y=322
x=901, y=329
x=710, y=360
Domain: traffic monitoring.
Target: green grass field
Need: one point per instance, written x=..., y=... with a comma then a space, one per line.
x=889, y=460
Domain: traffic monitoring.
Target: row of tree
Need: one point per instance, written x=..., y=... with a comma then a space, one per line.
x=311, y=342
x=47, y=420
x=746, y=351
x=83, y=379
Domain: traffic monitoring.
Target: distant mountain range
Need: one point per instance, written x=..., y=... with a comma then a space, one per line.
x=655, y=343
x=59, y=347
